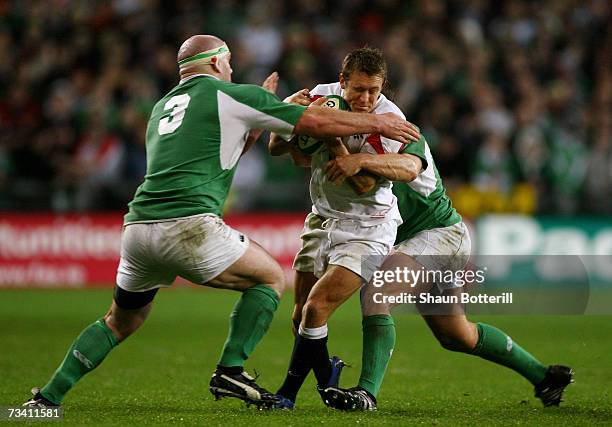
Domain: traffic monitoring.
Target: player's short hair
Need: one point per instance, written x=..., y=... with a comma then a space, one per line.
x=367, y=60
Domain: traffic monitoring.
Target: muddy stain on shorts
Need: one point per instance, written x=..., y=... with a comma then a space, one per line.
x=191, y=235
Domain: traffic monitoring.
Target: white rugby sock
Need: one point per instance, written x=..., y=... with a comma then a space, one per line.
x=313, y=333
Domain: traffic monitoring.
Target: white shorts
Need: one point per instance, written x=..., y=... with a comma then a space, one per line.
x=347, y=243
x=446, y=249
x=197, y=248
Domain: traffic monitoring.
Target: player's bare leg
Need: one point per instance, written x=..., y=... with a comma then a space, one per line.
x=94, y=343
x=255, y=266
x=369, y=304
x=303, y=283
x=261, y=280
x=330, y=292
x=123, y=322
x=453, y=332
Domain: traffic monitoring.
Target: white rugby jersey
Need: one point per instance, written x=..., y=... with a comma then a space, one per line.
x=341, y=201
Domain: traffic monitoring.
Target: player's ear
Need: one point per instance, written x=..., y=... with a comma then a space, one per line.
x=342, y=81
x=214, y=64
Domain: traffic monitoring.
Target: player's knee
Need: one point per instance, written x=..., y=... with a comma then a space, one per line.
x=274, y=277
x=297, y=317
x=375, y=310
x=316, y=308
x=455, y=342
x=297, y=314
x=371, y=306
x=276, y=280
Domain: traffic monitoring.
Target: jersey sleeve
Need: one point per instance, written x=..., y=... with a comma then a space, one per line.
x=260, y=109
x=326, y=89
x=417, y=149
x=316, y=91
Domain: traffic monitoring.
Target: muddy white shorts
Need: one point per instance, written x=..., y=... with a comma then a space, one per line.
x=443, y=249
x=312, y=237
x=348, y=243
x=197, y=248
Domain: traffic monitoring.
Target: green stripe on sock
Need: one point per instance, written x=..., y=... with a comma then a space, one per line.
x=249, y=322
x=378, y=343
x=495, y=346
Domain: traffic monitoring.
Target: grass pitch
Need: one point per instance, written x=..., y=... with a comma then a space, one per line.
x=160, y=375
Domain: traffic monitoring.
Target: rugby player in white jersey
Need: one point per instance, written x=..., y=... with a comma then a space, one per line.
x=351, y=228
x=432, y=236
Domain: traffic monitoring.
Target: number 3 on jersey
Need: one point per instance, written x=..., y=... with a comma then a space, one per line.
x=178, y=104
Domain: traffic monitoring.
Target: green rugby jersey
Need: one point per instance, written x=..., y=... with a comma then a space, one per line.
x=195, y=136
x=423, y=203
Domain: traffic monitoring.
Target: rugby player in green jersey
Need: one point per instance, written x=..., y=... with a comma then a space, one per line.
x=195, y=137
x=433, y=237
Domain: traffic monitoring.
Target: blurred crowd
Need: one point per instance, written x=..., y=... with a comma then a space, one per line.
x=514, y=97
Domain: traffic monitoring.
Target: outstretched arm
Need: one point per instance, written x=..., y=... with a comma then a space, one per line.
x=328, y=122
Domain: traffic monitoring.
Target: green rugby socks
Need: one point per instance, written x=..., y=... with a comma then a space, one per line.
x=378, y=343
x=249, y=322
x=496, y=346
x=86, y=353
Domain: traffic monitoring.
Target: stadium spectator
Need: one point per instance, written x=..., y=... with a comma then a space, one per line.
x=534, y=73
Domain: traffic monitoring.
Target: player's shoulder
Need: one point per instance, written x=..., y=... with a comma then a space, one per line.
x=245, y=92
x=246, y=87
x=200, y=84
x=327, y=89
x=385, y=105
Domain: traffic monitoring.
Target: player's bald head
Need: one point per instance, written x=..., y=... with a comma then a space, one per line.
x=196, y=44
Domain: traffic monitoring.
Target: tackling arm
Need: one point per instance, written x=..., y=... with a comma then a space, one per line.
x=392, y=166
x=324, y=122
x=361, y=182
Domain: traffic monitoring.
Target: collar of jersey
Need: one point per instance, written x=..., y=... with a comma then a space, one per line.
x=198, y=75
